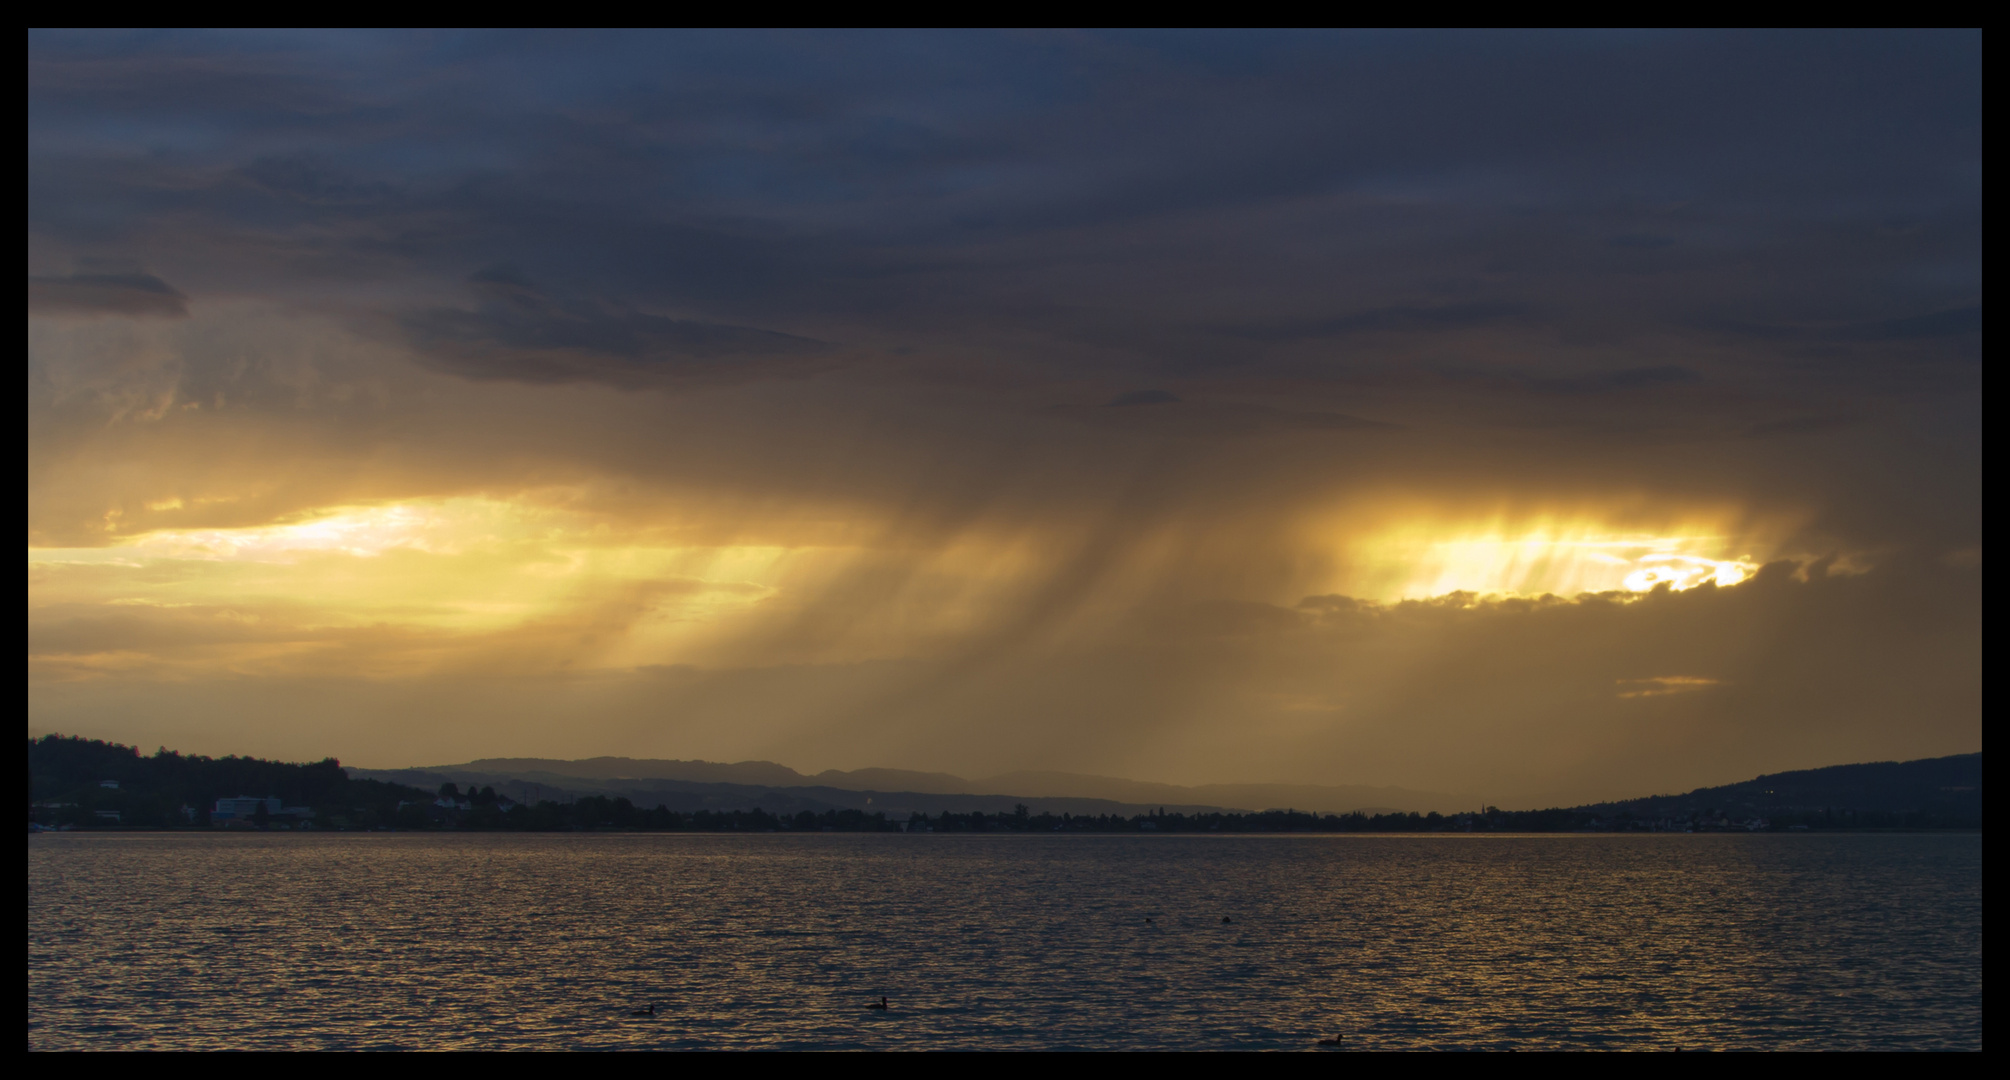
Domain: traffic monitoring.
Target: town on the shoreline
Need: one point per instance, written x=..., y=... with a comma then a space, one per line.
x=78, y=783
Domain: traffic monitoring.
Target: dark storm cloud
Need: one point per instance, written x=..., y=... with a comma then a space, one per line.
x=135, y=295
x=1622, y=379
x=1801, y=425
x=1617, y=380
x=1959, y=322
x=1388, y=320
x=1209, y=419
x=520, y=332
x=1956, y=323
x=1406, y=183
x=313, y=181
x=1141, y=397
x=1691, y=235
x=1646, y=241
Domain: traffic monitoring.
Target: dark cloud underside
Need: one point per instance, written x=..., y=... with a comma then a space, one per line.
x=134, y=295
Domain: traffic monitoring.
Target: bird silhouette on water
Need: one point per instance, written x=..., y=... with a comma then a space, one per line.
x=1337, y=1040
x=1226, y=921
x=650, y=1011
x=880, y=1004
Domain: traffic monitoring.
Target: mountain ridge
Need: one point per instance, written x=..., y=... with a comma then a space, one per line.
x=1948, y=786
x=1944, y=788
x=607, y=773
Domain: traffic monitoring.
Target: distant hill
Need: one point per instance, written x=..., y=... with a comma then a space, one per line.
x=1932, y=792
x=692, y=781
x=1322, y=799
x=689, y=796
x=762, y=773
x=621, y=768
x=78, y=782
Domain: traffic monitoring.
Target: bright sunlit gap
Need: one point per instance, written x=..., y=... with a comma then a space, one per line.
x=622, y=592
x=1547, y=558
x=1664, y=686
x=464, y=563
x=440, y=528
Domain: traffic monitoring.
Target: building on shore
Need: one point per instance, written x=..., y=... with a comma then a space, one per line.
x=242, y=809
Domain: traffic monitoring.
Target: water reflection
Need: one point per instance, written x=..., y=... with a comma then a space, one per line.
x=556, y=941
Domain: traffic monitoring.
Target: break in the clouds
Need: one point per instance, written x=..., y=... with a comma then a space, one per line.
x=851, y=399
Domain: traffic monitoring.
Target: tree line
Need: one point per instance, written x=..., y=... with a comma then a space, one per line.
x=67, y=775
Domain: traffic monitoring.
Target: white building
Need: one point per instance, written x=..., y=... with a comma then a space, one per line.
x=242, y=808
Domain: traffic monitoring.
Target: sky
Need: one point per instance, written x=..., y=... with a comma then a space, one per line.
x=1536, y=417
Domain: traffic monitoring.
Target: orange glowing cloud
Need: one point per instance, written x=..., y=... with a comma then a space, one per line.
x=1564, y=553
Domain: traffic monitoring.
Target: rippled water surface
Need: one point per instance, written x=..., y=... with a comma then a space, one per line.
x=549, y=941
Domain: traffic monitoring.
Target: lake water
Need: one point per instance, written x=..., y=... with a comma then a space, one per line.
x=425, y=941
